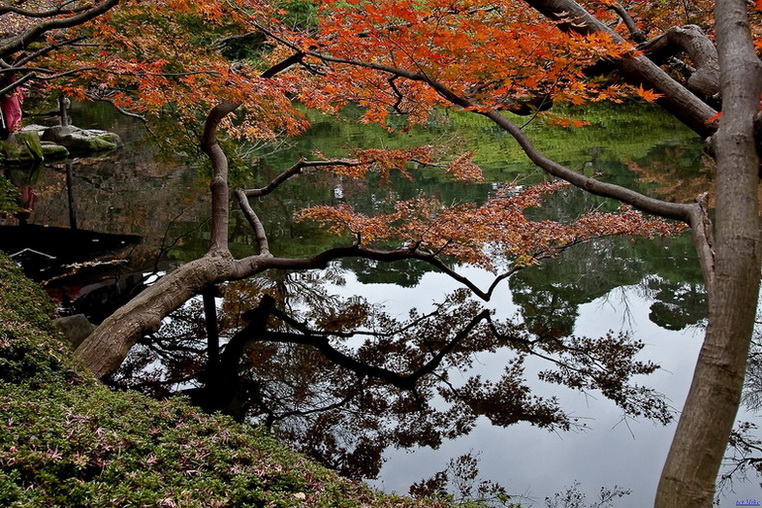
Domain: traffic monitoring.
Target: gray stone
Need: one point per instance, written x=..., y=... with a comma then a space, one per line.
x=75, y=328
x=82, y=140
x=22, y=146
x=53, y=152
x=39, y=129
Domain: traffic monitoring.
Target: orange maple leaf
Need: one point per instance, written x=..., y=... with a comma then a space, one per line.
x=647, y=95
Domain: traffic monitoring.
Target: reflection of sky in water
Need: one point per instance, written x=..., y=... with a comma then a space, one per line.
x=537, y=463
x=525, y=459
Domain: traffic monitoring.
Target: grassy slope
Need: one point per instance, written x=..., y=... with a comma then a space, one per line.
x=66, y=440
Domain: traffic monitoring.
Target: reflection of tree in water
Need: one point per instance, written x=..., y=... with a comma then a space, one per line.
x=743, y=460
x=677, y=305
x=679, y=172
x=550, y=294
x=405, y=274
x=752, y=396
x=342, y=381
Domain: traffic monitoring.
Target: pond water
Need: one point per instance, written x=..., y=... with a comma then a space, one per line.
x=649, y=289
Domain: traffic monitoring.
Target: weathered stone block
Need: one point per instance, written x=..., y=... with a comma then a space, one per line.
x=75, y=328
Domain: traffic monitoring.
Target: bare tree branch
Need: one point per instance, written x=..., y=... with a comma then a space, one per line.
x=635, y=32
x=18, y=42
x=705, y=78
x=219, y=185
x=295, y=170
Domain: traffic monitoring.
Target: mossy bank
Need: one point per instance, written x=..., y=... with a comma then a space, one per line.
x=66, y=440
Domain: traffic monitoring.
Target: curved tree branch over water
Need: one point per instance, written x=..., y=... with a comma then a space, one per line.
x=412, y=57
x=106, y=348
x=337, y=388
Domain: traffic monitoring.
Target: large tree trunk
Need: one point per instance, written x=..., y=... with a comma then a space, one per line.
x=105, y=349
x=690, y=473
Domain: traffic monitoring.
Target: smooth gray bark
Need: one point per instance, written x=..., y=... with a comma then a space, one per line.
x=690, y=472
x=691, y=40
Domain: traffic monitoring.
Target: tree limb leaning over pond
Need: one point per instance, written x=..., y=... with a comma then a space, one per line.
x=106, y=348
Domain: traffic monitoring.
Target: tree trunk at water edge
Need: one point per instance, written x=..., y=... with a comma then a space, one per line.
x=691, y=469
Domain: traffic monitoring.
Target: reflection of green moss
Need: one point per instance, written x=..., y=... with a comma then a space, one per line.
x=616, y=133
x=9, y=197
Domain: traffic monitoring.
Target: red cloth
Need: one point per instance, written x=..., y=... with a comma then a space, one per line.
x=11, y=107
x=28, y=196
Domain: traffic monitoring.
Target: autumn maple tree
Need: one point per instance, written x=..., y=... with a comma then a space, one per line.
x=406, y=58
x=478, y=56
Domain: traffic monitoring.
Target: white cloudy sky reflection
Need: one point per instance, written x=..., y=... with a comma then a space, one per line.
x=537, y=463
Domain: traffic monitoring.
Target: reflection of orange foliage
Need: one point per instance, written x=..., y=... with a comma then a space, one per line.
x=475, y=234
x=678, y=184
x=240, y=296
x=673, y=182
